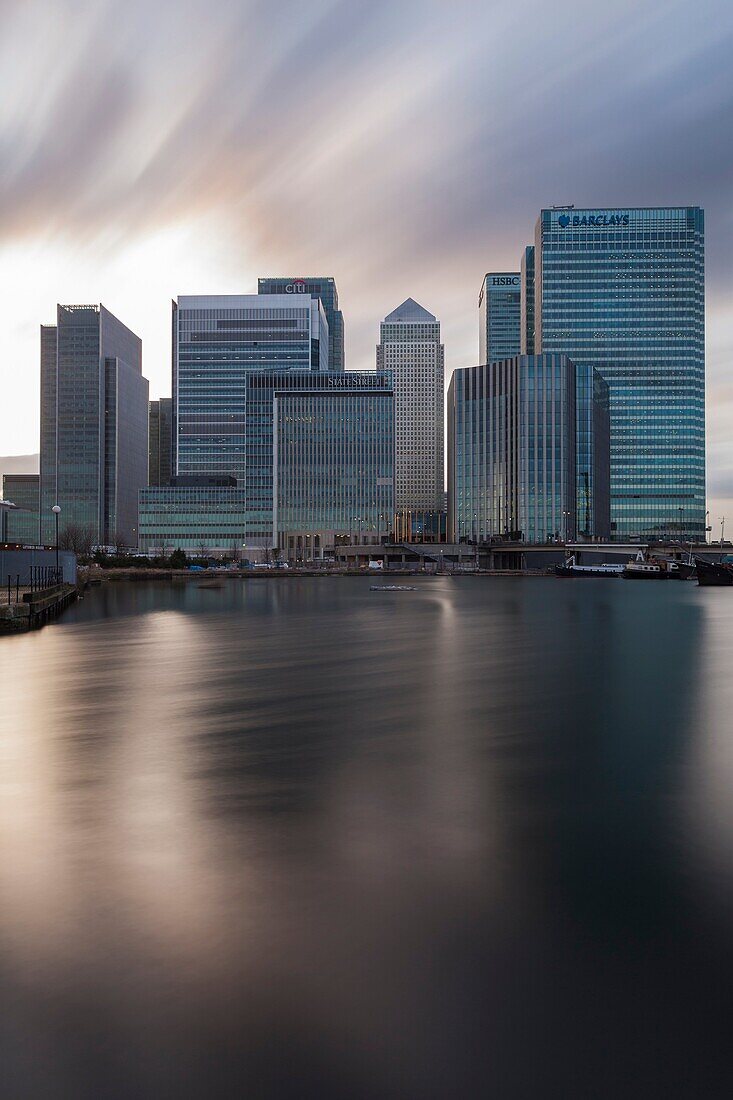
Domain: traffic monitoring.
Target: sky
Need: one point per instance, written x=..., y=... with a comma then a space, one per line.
x=149, y=150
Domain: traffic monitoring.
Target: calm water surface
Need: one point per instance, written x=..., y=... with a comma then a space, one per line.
x=292, y=838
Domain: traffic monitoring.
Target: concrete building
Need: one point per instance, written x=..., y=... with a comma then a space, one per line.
x=322, y=287
x=499, y=316
x=333, y=452
x=218, y=343
x=160, y=441
x=624, y=290
x=94, y=425
x=410, y=349
x=513, y=450
x=21, y=522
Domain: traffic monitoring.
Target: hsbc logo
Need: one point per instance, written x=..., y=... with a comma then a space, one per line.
x=505, y=280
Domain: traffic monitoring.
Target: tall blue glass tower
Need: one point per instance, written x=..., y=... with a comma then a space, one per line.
x=624, y=290
x=499, y=302
x=527, y=451
x=218, y=342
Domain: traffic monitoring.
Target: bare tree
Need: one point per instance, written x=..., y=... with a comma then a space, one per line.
x=79, y=538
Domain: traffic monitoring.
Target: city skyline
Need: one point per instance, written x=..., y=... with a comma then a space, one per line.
x=109, y=193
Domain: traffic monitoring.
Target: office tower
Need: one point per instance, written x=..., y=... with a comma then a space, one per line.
x=593, y=454
x=94, y=425
x=22, y=521
x=47, y=458
x=218, y=342
x=261, y=390
x=410, y=349
x=513, y=452
x=333, y=465
x=200, y=515
x=526, y=304
x=324, y=288
x=160, y=441
x=499, y=316
x=624, y=290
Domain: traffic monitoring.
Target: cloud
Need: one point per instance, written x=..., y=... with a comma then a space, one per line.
x=404, y=148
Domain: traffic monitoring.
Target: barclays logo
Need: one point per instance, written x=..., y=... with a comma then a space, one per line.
x=598, y=220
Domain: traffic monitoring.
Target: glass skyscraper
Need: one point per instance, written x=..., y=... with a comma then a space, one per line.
x=514, y=451
x=334, y=464
x=218, y=342
x=499, y=316
x=593, y=455
x=324, y=288
x=624, y=290
x=262, y=388
x=160, y=441
x=94, y=425
x=526, y=305
x=22, y=521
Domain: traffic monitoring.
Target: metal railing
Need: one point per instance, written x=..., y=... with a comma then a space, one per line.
x=40, y=579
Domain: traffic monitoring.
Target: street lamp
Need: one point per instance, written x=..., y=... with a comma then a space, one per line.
x=57, y=512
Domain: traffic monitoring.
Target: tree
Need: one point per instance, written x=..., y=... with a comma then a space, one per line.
x=178, y=559
x=79, y=538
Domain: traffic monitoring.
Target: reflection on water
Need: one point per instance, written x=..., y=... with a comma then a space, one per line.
x=292, y=838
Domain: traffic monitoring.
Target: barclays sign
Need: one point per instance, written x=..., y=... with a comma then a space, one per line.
x=601, y=221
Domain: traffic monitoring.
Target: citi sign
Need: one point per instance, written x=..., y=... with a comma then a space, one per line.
x=592, y=219
x=504, y=280
x=298, y=287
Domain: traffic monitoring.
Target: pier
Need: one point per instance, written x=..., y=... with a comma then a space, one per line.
x=29, y=606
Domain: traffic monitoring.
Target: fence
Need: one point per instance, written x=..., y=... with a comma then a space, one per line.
x=41, y=578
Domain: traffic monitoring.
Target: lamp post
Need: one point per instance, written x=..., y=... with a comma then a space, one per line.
x=57, y=512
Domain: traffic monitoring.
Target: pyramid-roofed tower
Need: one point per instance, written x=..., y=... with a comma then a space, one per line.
x=410, y=312
x=410, y=349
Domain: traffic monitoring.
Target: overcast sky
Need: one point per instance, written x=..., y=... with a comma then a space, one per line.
x=155, y=149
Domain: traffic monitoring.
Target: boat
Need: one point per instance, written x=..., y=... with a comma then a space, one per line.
x=642, y=568
x=569, y=568
x=392, y=588
x=710, y=573
x=680, y=570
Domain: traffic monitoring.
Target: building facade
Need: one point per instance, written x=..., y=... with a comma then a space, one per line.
x=513, y=451
x=324, y=288
x=218, y=342
x=499, y=316
x=624, y=291
x=526, y=303
x=593, y=454
x=160, y=441
x=200, y=515
x=23, y=490
x=411, y=351
x=94, y=425
x=333, y=452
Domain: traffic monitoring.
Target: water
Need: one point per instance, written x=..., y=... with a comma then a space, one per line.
x=293, y=838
